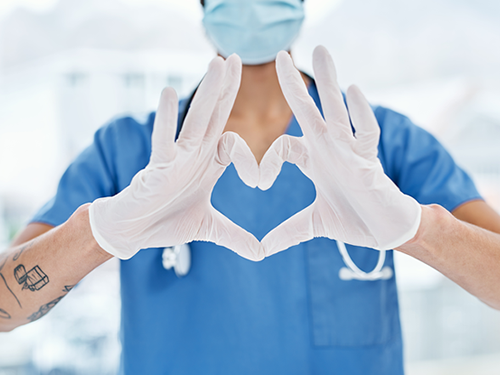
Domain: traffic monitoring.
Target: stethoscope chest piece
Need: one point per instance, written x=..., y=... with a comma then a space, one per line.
x=177, y=257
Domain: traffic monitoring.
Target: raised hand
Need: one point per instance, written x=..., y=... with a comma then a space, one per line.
x=168, y=202
x=355, y=201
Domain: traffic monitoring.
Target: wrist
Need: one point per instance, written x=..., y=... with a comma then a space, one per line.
x=79, y=223
x=434, y=221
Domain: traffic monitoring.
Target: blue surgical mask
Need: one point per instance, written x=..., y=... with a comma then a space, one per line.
x=254, y=29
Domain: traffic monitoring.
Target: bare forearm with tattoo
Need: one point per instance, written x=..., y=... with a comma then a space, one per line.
x=36, y=275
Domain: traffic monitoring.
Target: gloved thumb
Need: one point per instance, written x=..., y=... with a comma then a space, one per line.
x=232, y=148
x=285, y=148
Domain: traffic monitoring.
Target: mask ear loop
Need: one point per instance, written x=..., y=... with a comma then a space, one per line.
x=352, y=272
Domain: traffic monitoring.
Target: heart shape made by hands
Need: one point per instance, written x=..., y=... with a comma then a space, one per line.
x=168, y=202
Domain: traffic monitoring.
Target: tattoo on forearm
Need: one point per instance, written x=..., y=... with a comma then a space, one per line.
x=7, y=285
x=3, y=260
x=4, y=314
x=44, y=309
x=21, y=250
x=67, y=288
x=34, y=279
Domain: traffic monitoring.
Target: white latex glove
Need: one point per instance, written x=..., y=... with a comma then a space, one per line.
x=168, y=202
x=355, y=201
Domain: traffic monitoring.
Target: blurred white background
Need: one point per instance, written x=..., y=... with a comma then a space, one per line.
x=69, y=66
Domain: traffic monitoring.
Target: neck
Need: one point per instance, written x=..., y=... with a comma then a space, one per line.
x=260, y=113
x=260, y=94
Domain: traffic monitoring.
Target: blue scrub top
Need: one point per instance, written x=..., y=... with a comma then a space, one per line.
x=288, y=314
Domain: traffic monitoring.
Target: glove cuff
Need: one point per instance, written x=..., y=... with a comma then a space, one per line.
x=404, y=238
x=101, y=241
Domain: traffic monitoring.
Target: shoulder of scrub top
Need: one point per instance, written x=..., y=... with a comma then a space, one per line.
x=130, y=123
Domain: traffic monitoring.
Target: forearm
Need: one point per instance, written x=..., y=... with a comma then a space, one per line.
x=36, y=275
x=465, y=253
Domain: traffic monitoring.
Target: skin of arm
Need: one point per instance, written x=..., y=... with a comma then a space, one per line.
x=465, y=253
x=37, y=274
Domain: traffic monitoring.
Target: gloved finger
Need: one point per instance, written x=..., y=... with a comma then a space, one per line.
x=299, y=100
x=164, y=128
x=227, y=97
x=299, y=228
x=332, y=101
x=223, y=232
x=284, y=148
x=232, y=148
x=203, y=105
x=364, y=122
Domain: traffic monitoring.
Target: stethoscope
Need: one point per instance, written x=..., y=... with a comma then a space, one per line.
x=179, y=257
x=352, y=272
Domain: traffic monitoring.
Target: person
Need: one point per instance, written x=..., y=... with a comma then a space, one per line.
x=289, y=313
